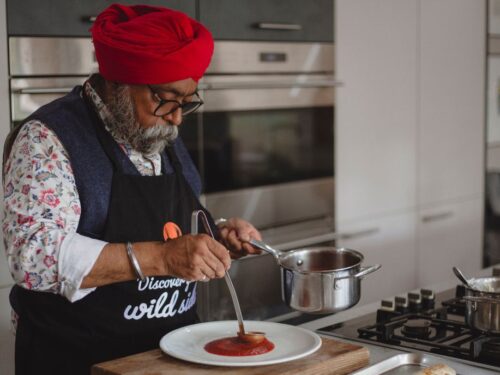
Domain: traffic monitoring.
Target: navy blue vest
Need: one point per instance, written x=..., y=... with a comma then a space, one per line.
x=71, y=121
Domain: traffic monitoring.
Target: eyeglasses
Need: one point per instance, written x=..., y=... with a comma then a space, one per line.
x=166, y=107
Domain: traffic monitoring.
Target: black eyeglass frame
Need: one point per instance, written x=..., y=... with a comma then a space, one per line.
x=196, y=104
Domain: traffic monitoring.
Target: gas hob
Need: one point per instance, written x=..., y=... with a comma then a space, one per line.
x=426, y=322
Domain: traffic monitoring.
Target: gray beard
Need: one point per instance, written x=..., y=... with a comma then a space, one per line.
x=123, y=125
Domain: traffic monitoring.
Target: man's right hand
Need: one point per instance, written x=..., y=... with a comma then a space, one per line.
x=195, y=257
x=189, y=257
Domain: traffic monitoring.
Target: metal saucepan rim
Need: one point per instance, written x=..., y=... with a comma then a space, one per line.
x=322, y=248
x=473, y=280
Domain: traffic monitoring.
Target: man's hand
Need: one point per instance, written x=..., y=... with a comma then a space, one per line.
x=234, y=234
x=195, y=257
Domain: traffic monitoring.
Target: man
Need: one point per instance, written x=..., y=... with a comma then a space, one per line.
x=98, y=200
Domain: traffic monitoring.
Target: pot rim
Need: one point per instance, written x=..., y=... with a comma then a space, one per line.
x=322, y=248
x=493, y=294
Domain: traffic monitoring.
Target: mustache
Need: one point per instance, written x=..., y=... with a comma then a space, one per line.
x=154, y=139
x=123, y=125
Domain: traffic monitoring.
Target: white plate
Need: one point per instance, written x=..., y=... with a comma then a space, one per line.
x=290, y=343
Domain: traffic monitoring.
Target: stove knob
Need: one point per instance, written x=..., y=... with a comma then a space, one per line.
x=386, y=311
x=415, y=302
x=401, y=304
x=387, y=305
x=428, y=299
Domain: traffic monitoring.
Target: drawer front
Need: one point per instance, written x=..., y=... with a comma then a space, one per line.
x=277, y=20
x=69, y=17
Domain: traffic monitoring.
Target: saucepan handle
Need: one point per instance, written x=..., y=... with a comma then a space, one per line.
x=366, y=270
x=362, y=273
x=268, y=249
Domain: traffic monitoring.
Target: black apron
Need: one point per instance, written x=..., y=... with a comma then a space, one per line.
x=58, y=337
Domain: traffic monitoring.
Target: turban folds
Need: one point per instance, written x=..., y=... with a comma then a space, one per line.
x=150, y=45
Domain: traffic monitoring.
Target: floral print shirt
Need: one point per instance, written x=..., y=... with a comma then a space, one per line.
x=42, y=210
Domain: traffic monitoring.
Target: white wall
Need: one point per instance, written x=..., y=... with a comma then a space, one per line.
x=6, y=335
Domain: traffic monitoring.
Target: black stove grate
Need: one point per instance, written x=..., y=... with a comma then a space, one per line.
x=441, y=331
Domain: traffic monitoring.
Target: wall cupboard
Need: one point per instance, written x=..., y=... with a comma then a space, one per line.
x=410, y=135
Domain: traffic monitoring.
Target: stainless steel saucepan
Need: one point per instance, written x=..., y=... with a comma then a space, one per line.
x=320, y=280
x=482, y=304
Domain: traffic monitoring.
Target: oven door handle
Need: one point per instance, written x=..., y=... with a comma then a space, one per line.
x=266, y=85
x=43, y=90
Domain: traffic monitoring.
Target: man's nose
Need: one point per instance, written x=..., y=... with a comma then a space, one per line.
x=174, y=118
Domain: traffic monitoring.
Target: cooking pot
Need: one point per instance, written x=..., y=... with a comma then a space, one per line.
x=320, y=280
x=482, y=304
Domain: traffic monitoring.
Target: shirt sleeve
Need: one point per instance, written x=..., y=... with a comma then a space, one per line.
x=41, y=214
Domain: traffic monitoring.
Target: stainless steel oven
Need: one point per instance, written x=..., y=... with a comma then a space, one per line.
x=263, y=141
x=42, y=69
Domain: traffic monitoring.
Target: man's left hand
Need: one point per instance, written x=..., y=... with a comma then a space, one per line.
x=235, y=233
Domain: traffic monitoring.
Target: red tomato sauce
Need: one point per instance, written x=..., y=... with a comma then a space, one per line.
x=235, y=347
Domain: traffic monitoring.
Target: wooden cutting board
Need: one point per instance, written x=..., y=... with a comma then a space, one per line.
x=334, y=357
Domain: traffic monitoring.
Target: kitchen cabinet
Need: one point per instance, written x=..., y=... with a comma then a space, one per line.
x=493, y=115
x=494, y=17
x=375, y=123
x=493, y=105
x=69, y=17
x=410, y=124
x=448, y=235
x=451, y=138
x=451, y=101
x=7, y=336
x=389, y=241
x=278, y=20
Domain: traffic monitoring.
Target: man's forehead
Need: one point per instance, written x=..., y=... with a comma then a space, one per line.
x=185, y=87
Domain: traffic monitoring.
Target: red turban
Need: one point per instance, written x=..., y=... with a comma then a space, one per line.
x=150, y=45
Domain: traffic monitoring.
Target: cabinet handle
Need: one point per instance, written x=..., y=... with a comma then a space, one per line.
x=278, y=26
x=435, y=217
x=43, y=90
x=89, y=19
x=361, y=233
